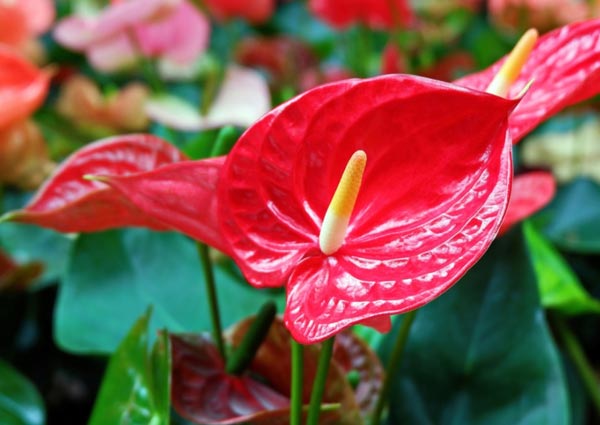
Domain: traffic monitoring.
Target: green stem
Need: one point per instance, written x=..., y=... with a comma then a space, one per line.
x=577, y=355
x=393, y=364
x=211, y=293
x=246, y=351
x=297, y=384
x=319, y=383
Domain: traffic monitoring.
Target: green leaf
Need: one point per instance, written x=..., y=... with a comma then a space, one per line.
x=135, y=389
x=559, y=286
x=112, y=277
x=26, y=243
x=572, y=220
x=20, y=403
x=481, y=354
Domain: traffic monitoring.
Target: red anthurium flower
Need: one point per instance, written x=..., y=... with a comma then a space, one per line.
x=432, y=198
x=69, y=203
x=23, y=87
x=424, y=194
x=530, y=192
x=377, y=14
x=564, y=68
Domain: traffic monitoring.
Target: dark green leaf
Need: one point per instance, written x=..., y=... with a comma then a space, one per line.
x=135, y=389
x=113, y=276
x=482, y=353
x=559, y=286
x=572, y=220
x=20, y=403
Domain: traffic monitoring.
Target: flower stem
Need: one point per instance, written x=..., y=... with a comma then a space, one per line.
x=393, y=364
x=211, y=293
x=241, y=358
x=577, y=355
x=297, y=384
x=319, y=383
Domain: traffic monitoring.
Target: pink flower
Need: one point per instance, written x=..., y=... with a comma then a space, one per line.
x=171, y=30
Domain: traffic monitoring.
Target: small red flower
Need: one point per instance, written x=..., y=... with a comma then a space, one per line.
x=377, y=14
x=23, y=87
x=256, y=11
x=530, y=193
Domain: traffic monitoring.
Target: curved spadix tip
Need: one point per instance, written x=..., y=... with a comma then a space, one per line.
x=511, y=68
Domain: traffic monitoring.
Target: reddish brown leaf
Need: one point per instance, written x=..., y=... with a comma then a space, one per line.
x=203, y=393
x=353, y=354
x=273, y=363
x=15, y=276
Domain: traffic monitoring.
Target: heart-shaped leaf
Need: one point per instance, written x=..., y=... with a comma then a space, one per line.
x=112, y=277
x=482, y=353
x=572, y=220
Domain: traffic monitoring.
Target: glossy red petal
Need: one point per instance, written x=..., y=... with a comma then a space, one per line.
x=269, y=238
x=433, y=195
x=530, y=193
x=203, y=393
x=182, y=196
x=565, y=69
x=23, y=87
x=69, y=203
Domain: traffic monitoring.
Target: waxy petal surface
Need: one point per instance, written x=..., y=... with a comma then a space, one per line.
x=23, y=87
x=180, y=195
x=433, y=195
x=565, y=68
x=69, y=203
x=530, y=193
x=203, y=393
